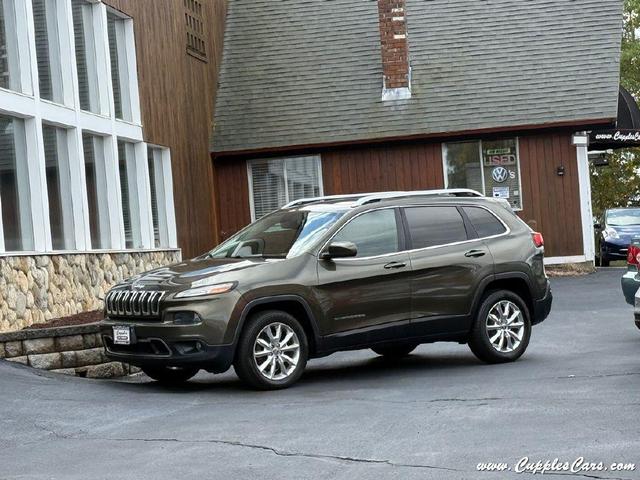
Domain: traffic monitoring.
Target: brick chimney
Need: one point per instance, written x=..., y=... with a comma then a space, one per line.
x=396, y=80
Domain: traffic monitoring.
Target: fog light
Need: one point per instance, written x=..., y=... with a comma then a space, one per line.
x=186, y=318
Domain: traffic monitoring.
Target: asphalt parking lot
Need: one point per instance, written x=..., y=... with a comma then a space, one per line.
x=437, y=414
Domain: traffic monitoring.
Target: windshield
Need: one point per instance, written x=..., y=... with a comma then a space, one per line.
x=283, y=234
x=623, y=218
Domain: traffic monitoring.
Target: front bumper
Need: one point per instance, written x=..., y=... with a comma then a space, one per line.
x=169, y=345
x=630, y=284
x=615, y=249
x=542, y=307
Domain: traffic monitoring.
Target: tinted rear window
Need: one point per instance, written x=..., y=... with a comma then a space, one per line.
x=485, y=223
x=431, y=226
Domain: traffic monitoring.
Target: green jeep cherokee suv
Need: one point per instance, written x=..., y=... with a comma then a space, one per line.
x=385, y=271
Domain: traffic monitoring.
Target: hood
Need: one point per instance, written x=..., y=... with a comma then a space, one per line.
x=184, y=273
x=628, y=232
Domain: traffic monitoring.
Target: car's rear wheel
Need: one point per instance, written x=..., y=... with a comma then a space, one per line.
x=170, y=375
x=272, y=352
x=502, y=328
x=395, y=351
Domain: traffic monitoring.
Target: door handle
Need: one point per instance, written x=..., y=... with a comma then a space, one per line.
x=475, y=254
x=394, y=265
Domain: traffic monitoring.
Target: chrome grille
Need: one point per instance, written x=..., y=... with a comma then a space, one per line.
x=128, y=303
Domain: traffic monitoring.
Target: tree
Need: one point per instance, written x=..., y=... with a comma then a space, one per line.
x=618, y=184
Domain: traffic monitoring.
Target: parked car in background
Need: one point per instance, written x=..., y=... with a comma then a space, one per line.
x=385, y=271
x=631, y=280
x=615, y=231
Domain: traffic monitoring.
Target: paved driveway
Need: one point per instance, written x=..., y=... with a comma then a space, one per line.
x=576, y=392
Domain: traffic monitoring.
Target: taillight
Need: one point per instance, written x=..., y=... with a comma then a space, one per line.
x=633, y=257
x=537, y=239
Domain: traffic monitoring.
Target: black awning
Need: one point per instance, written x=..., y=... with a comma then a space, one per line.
x=627, y=132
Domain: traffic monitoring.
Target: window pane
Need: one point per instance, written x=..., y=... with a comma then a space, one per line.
x=96, y=196
x=462, y=162
x=268, y=186
x=302, y=177
x=9, y=66
x=124, y=190
x=279, y=181
x=484, y=223
x=154, y=195
x=58, y=187
x=501, y=170
x=112, y=20
x=431, y=226
x=85, y=55
x=14, y=186
x=373, y=233
x=47, y=49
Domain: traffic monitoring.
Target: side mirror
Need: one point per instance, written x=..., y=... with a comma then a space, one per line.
x=597, y=226
x=339, y=250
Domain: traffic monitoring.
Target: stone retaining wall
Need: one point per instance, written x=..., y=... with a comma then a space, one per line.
x=70, y=350
x=34, y=289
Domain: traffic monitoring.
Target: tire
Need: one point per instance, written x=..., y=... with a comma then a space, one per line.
x=485, y=328
x=395, y=351
x=267, y=357
x=170, y=375
x=604, y=260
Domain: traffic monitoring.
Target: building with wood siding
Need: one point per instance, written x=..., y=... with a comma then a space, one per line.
x=333, y=97
x=105, y=118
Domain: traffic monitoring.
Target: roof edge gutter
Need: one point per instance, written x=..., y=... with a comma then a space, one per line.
x=586, y=124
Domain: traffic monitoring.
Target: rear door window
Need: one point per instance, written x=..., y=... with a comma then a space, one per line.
x=484, y=222
x=373, y=233
x=433, y=226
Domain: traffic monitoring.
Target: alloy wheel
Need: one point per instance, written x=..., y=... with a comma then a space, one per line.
x=276, y=351
x=505, y=326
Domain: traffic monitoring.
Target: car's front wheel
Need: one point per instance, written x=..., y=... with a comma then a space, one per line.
x=272, y=352
x=502, y=328
x=170, y=375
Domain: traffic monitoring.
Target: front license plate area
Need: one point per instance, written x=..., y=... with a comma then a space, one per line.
x=123, y=335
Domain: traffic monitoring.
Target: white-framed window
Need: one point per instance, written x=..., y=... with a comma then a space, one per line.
x=47, y=39
x=275, y=182
x=16, y=224
x=15, y=72
x=492, y=167
x=58, y=177
x=162, y=208
x=119, y=55
x=73, y=162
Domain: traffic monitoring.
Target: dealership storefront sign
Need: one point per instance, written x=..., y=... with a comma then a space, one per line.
x=606, y=139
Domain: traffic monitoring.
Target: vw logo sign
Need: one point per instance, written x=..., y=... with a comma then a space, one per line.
x=500, y=174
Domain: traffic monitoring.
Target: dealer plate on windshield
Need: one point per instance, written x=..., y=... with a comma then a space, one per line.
x=122, y=335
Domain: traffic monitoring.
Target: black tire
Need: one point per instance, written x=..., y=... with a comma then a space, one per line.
x=395, y=351
x=170, y=375
x=479, y=339
x=604, y=260
x=246, y=365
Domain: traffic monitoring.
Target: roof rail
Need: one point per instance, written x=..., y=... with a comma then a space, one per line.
x=456, y=192
x=304, y=201
x=364, y=198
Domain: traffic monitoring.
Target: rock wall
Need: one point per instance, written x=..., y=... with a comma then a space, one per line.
x=75, y=350
x=35, y=289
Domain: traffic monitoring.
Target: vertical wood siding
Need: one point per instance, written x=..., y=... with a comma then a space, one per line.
x=380, y=168
x=551, y=203
x=177, y=96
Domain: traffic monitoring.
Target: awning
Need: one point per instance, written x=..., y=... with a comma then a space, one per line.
x=627, y=132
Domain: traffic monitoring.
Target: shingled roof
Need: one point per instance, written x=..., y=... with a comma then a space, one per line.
x=308, y=72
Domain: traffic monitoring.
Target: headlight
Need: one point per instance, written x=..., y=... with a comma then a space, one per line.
x=610, y=233
x=196, y=291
